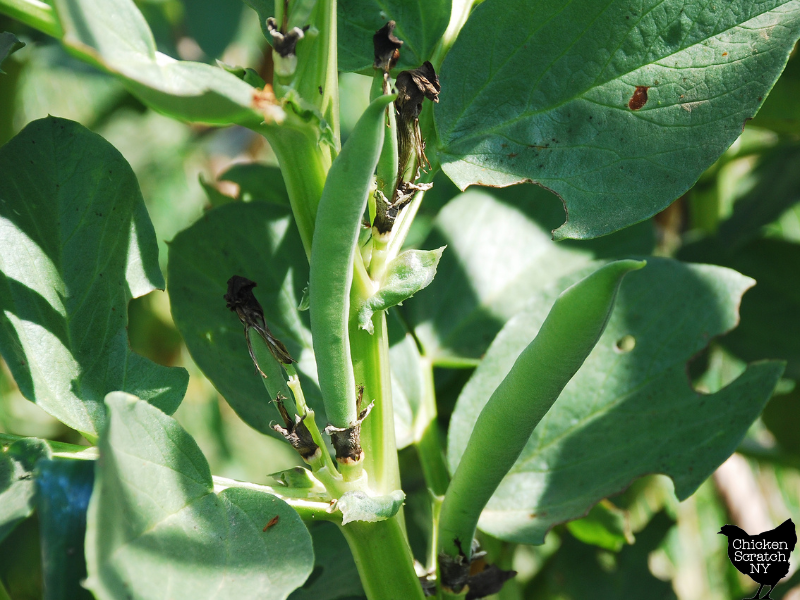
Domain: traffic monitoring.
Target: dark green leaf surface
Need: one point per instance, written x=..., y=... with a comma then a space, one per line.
x=632, y=390
x=258, y=181
x=554, y=92
x=781, y=111
x=115, y=35
x=334, y=576
x=259, y=241
x=17, y=485
x=479, y=286
x=76, y=244
x=420, y=24
x=769, y=327
x=64, y=487
x=8, y=45
x=156, y=529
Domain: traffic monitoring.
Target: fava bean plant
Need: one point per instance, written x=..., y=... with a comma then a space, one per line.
x=298, y=307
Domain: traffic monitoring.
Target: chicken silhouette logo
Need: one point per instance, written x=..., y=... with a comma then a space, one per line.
x=763, y=557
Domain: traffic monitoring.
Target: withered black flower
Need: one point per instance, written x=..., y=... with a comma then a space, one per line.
x=283, y=42
x=413, y=87
x=241, y=300
x=296, y=432
x=387, y=47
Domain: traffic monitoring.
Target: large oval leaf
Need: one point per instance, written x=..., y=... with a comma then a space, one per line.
x=616, y=106
x=156, y=529
x=257, y=240
x=630, y=409
x=76, y=245
x=420, y=24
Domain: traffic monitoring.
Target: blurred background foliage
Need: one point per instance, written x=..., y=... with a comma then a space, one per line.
x=743, y=213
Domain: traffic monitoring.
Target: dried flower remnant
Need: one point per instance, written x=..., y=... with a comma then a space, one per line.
x=283, y=42
x=347, y=441
x=272, y=522
x=387, y=47
x=413, y=87
x=296, y=432
x=386, y=212
x=240, y=299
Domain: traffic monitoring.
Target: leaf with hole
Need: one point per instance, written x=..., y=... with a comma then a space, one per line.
x=598, y=436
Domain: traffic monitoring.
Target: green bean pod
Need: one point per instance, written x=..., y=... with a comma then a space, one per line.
x=567, y=336
x=341, y=207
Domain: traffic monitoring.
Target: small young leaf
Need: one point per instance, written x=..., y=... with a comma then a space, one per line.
x=410, y=272
x=358, y=506
x=631, y=390
x=153, y=501
x=608, y=104
x=8, y=45
x=17, y=485
x=76, y=244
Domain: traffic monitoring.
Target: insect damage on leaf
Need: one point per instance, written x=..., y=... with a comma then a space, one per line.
x=639, y=98
x=241, y=300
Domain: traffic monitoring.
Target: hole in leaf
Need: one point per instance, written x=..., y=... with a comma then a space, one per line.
x=625, y=344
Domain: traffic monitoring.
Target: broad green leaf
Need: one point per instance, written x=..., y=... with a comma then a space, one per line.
x=64, y=487
x=257, y=182
x=213, y=24
x=616, y=107
x=774, y=187
x=115, y=36
x=780, y=111
x=156, y=529
x=334, y=576
x=782, y=418
x=17, y=485
x=605, y=526
x=259, y=241
x=420, y=24
x=479, y=286
x=770, y=327
x=579, y=571
x=8, y=45
x=21, y=562
x=632, y=389
x=410, y=272
x=76, y=245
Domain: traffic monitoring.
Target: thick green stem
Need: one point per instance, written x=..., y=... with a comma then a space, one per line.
x=33, y=13
x=384, y=560
x=370, y=355
x=305, y=166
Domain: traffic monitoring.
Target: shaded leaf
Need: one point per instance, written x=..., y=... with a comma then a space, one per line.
x=406, y=378
x=632, y=389
x=334, y=576
x=17, y=485
x=213, y=24
x=617, y=108
x=408, y=273
x=8, y=45
x=76, y=244
x=480, y=286
x=257, y=181
x=64, y=488
x=781, y=111
x=769, y=327
x=605, y=526
x=258, y=241
x=183, y=540
x=420, y=25
x=115, y=36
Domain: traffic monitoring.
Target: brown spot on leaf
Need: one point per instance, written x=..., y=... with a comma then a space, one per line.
x=724, y=54
x=512, y=155
x=272, y=522
x=639, y=98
